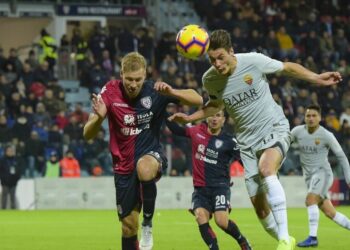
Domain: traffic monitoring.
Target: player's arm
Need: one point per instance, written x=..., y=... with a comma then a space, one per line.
x=93, y=125
x=341, y=157
x=186, y=96
x=298, y=71
x=175, y=128
x=210, y=109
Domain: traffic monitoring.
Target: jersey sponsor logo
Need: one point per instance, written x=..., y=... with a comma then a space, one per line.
x=133, y=131
x=201, y=148
x=241, y=99
x=248, y=79
x=146, y=102
x=144, y=118
x=205, y=159
x=218, y=143
x=308, y=149
x=117, y=104
x=317, y=141
x=129, y=120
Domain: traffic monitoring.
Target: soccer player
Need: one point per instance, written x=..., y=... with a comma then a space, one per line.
x=238, y=83
x=314, y=142
x=212, y=152
x=135, y=110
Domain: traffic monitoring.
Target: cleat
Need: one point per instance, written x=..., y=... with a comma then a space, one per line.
x=146, y=241
x=309, y=242
x=285, y=245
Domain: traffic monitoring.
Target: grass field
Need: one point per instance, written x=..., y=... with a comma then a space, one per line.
x=173, y=230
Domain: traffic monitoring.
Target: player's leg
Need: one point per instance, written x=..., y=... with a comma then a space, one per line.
x=148, y=170
x=202, y=217
x=339, y=218
x=201, y=200
x=231, y=228
x=130, y=226
x=269, y=164
x=263, y=211
x=257, y=194
x=312, y=201
x=128, y=206
x=221, y=201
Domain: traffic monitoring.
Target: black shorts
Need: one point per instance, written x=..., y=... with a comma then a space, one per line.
x=211, y=198
x=127, y=186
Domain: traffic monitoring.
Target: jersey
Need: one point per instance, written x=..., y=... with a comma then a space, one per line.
x=134, y=125
x=211, y=154
x=247, y=97
x=314, y=149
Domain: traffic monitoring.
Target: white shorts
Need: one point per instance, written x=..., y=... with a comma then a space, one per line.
x=320, y=182
x=279, y=138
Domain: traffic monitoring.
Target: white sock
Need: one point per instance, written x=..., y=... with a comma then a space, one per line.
x=277, y=201
x=314, y=215
x=270, y=225
x=342, y=220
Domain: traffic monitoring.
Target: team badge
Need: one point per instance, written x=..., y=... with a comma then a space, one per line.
x=248, y=79
x=129, y=120
x=218, y=143
x=317, y=141
x=146, y=102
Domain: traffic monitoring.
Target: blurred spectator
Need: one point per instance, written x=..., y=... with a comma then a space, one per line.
x=15, y=61
x=345, y=116
x=49, y=50
x=32, y=60
x=70, y=167
x=2, y=59
x=52, y=166
x=21, y=128
x=286, y=44
x=98, y=42
x=178, y=163
x=41, y=115
x=35, y=153
x=145, y=44
x=80, y=115
x=10, y=73
x=10, y=173
x=5, y=131
x=74, y=129
x=27, y=75
x=43, y=74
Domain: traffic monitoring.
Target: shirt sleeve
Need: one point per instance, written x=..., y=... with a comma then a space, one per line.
x=265, y=64
x=341, y=157
x=104, y=94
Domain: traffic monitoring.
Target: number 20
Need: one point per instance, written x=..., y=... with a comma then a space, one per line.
x=220, y=200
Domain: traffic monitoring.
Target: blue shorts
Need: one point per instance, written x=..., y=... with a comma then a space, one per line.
x=127, y=187
x=211, y=198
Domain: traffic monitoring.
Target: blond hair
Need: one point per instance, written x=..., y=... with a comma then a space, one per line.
x=133, y=61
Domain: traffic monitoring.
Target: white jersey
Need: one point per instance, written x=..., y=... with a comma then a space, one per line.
x=247, y=96
x=314, y=150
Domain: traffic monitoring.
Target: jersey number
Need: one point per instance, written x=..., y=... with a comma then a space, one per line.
x=220, y=200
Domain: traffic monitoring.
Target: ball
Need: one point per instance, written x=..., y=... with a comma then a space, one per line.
x=192, y=41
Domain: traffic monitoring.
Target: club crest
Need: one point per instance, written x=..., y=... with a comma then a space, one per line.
x=317, y=141
x=218, y=143
x=146, y=102
x=248, y=79
x=129, y=120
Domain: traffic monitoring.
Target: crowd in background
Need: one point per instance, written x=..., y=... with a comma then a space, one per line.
x=47, y=133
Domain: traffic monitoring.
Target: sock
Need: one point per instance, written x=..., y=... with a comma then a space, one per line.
x=209, y=236
x=342, y=220
x=314, y=216
x=149, y=194
x=270, y=225
x=233, y=230
x=130, y=243
x=277, y=201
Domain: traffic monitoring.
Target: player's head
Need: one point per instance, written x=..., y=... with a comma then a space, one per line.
x=313, y=116
x=133, y=73
x=221, y=52
x=216, y=122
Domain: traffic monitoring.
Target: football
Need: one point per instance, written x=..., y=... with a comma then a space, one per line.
x=192, y=41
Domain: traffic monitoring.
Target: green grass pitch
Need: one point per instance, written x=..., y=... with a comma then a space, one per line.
x=173, y=230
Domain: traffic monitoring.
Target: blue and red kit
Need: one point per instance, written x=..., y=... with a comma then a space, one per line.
x=134, y=125
x=211, y=154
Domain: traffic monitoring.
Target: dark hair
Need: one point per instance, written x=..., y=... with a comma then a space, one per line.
x=220, y=39
x=314, y=107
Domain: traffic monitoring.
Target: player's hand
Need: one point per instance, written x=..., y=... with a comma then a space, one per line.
x=163, y=88
x=98, y=106
x=180, y=118
x=329, y=78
